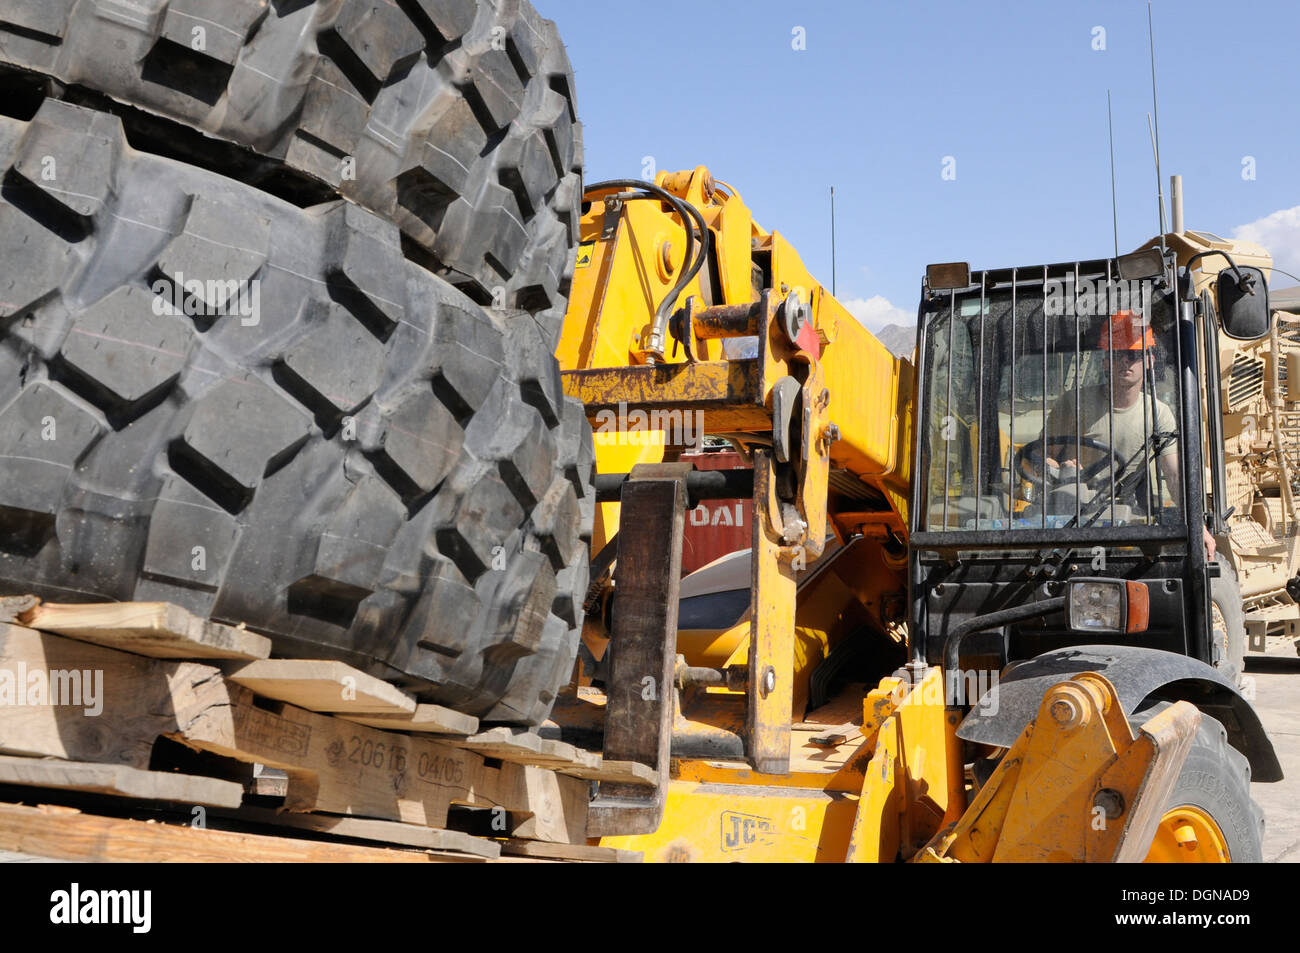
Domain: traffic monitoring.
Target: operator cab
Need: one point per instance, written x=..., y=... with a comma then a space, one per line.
x=1061, y=453
x=1051, y=410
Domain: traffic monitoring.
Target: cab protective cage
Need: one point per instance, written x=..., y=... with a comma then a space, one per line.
x=988, y=354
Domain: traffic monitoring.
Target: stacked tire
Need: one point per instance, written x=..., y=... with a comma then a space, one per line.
x=280, y=287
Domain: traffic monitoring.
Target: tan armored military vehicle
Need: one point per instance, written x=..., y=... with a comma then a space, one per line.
x=1255, y=523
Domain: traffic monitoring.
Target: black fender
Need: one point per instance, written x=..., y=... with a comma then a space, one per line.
x=1137, y=674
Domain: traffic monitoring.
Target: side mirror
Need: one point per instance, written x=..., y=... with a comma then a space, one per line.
x=1243, y=303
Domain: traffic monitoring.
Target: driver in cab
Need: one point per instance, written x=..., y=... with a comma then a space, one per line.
x=1131, y=344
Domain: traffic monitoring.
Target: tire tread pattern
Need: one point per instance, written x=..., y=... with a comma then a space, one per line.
x=357, y=467
x=454, y=119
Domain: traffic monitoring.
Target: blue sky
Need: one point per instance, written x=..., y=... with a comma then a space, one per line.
x=1014, y=92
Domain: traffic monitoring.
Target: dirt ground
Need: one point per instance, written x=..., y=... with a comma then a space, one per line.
x=1277, y=698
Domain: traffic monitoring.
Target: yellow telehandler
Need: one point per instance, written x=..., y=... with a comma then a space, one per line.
x=975, y=622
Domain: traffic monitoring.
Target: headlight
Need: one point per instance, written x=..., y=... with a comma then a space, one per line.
x=1107, y=605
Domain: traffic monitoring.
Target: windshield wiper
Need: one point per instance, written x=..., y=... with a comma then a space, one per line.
x=1153, y=446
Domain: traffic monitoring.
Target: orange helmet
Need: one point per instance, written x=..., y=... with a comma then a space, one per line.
x=1126, y=331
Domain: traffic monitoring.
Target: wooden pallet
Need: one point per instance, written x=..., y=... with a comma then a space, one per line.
x=161, y=630
x=361, y=759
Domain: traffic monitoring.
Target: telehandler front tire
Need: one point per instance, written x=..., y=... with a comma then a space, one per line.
x=1211, y=817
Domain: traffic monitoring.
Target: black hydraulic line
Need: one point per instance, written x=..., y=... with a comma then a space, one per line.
x=1078, y=403
x=1244, y=282
x=952, y=645
x=1110, y=385
x=1011, y=418
x=1042, y=476
x=688, y=213
x=1214, y=415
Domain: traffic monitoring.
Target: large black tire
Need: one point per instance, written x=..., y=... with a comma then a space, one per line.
x=371, y=467
x=1216, y=778
x=1229, y=621
x=455, y=119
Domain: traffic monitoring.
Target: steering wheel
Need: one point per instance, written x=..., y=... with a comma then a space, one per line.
x=1029, y=458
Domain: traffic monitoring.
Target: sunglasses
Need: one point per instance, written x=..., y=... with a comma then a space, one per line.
x=1128, y=357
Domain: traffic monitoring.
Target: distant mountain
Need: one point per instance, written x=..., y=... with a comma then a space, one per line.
x=1285, y=299
x=899, y=338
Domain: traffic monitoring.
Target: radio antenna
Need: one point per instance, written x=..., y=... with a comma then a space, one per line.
x=1114, y=206
x=832, y=240
x=1153, y=124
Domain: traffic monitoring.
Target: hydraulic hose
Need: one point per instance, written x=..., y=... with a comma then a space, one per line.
x=952, y=645
x=688, y=214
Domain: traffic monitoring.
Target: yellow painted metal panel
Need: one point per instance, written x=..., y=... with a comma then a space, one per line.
x=720, y=823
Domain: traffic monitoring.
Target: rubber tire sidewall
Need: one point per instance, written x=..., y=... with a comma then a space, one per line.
x=1216, y=778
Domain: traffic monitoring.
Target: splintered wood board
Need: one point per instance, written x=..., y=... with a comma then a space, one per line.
x=619, y=772
x=11, y=607
x=66, y=834
x=582, y=852
x=121, y=780
x=322, y=686
x=364, y=828
x=520, y=746
x=431, y=719
x=155, y=629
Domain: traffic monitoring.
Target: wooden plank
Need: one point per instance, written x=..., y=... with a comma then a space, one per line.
x=505, y=744
x=155, y=629
x=67, y=834
x=520, y=746
x=322, y=686
x=11, y=607
x=126, y=704
x=579, y=852
x=363, y=828
x=120, y=780
x=10, y=857
x=619, y=772
x=432, y=719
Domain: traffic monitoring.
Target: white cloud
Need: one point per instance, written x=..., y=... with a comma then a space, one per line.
x=1280, y=234
x=878, y=311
